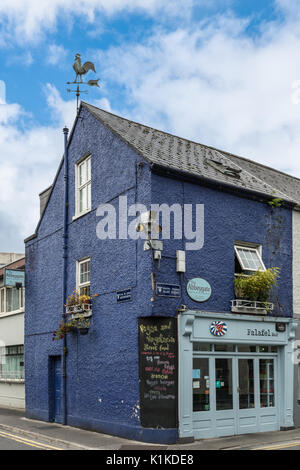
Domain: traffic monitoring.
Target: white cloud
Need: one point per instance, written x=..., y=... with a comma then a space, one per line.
x=2, y=92
x=216, y=85
x=25, y=59
x=24, y=21
x=56, y=55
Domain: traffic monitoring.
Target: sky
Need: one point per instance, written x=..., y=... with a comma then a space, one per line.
x=225, y=73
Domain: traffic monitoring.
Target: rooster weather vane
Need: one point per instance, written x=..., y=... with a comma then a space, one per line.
x=82, y=70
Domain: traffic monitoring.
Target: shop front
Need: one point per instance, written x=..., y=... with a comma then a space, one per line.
x=235, y=374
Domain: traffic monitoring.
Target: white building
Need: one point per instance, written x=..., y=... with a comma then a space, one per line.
x=12, y=280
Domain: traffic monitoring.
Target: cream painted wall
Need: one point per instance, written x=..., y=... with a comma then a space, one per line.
x=12, y=392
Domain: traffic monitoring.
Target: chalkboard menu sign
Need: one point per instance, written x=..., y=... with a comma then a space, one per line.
x=158, y=371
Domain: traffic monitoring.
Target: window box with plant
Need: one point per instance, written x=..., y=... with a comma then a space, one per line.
x=79, y=303
x=252, y=292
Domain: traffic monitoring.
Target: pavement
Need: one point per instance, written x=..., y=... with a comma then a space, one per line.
x=15, y=422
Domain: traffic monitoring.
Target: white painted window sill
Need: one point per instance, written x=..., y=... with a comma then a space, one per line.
x=15, y=312
x=12, y=381
x=77, y=216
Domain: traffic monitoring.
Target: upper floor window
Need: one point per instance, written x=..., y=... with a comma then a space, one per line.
x=83, y=276
x=11, y=299
x=83, y=186
x=248, y=259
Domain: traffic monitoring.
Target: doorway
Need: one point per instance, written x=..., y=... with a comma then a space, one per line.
x=55, y=389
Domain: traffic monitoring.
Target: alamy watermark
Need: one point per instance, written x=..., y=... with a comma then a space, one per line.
x=160, y=221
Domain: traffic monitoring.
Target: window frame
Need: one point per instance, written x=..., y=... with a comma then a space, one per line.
x=254, y=248
x=12, y=352
x=87, y=184
x=83, y=285
x=3, y=300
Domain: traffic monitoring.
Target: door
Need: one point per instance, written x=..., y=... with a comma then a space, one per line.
x=55, y=389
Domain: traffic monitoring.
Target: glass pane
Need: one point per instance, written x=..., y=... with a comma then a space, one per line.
x=84, y=290
x=246, y=384
x=88, y=169
x=225, y=347
x=202, y=347
x=12, y=299
x=84, y=272
x=247, y=348
x=224, y=384
x=266, y=380
x=201, y=384
x=2, y=300
x=13, y=367
x=82, y=173
x=88, y=203
x=267, y=349
x=250, y=259
x=22, y=296
x=83, y=199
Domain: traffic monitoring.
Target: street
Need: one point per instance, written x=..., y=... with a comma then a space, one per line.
x=292, y=445
x=10, y=441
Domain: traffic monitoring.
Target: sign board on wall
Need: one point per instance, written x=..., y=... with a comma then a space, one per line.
x=124, y=295
x=198, y=289
x=158, y=371
x=13, y=277
x=167, y=290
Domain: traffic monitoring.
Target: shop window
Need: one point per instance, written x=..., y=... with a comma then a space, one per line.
x=83, y=276
x=12, y=362
x=83, y=186
x=248, y=259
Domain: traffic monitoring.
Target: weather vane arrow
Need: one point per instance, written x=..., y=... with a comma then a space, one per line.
x=80, y=70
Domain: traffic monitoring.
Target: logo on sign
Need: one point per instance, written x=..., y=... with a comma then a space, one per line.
x=218, y=328
x=198, y=289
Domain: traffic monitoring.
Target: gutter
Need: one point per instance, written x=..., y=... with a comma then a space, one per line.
x=163, y=170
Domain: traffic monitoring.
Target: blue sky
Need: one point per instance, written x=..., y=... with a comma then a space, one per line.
x=222, y=72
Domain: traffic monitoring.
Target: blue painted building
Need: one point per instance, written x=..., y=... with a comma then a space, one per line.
x=161, y=362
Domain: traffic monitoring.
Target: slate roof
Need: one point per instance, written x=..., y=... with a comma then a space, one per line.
x=177, y=153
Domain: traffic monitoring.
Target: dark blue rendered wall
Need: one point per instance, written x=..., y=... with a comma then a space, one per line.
x=227, y=218
x=102, y=367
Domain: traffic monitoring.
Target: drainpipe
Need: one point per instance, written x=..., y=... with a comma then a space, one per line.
x=64, y=274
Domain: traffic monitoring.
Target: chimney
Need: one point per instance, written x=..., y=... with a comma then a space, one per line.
x=44, y=196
